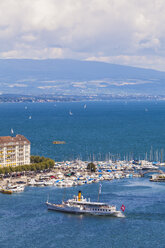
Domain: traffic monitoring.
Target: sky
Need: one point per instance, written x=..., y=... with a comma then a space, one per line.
x=126, y=32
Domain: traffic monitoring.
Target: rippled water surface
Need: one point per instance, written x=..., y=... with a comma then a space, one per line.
x=25, y=221
x=102, y=129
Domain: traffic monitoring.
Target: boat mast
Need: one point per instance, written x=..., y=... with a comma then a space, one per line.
x=100, y=185
x=47, y=198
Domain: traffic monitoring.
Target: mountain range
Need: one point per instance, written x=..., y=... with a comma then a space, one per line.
x=73, y=77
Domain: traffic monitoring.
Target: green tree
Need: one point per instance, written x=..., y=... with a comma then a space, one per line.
x=50, y=163
x=2, y=170
x=91, y=167
x=12, y=168
x=6, y=170
x=37, y=163
x=33, y=167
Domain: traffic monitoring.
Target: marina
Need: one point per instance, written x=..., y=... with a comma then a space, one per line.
x=77, y=173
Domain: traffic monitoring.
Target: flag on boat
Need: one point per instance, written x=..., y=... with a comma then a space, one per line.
x=122, y=208
x=100, y=188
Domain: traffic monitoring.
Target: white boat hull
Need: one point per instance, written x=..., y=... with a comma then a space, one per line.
x=75, y=210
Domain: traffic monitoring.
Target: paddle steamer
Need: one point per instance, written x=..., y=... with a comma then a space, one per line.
x=80, y=205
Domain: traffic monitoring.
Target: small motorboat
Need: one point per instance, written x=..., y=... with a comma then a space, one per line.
x=59, y=142
x=6, y=191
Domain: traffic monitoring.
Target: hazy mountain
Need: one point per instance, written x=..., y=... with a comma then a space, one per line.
x=55, y=76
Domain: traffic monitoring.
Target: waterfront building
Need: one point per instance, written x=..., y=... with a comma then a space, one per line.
x=14, y=150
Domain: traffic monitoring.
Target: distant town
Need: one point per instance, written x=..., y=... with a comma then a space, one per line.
x=12, y=98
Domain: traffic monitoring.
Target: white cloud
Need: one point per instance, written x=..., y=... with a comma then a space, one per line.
x=30, y=52
x=46, y=87
x=17, y=85
x=126, y=31
x=144, y=61
x=29, y=38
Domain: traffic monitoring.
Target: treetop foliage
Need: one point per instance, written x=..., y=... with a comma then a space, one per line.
x=37, y=163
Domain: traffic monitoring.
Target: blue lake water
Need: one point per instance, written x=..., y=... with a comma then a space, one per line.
x=102, y=129
x=25, y=221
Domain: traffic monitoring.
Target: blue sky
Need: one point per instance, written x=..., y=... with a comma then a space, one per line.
x=127, y=32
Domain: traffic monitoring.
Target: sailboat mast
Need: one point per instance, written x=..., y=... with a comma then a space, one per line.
x=100, y=185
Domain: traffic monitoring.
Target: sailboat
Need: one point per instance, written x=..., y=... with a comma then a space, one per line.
x=70, y=113
x=12, y=132
x=85, y=106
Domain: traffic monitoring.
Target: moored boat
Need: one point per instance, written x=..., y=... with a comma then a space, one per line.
x=15, y=188
x=5, y=191
x=12, y=189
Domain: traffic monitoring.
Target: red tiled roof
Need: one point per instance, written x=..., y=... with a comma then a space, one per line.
x=8, y=139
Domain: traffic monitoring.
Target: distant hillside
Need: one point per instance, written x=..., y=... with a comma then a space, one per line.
x=55, y=76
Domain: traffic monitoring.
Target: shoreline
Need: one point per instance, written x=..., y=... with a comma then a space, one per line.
x=73, y=173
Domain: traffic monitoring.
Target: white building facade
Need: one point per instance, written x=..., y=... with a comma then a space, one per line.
x=14, y=151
